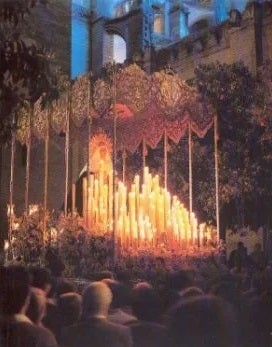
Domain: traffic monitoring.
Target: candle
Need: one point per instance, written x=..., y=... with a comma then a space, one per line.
x=110, y=196
x=155, y=183
x=105, y=203
x=90, y=201
x=116, y=198
x=96, y=198
x=137, y=193
x=131, y=201
x=100, y=179
x=73, y=198
x=201, y=234
x=146, y=172
x=127, y=231
x=141, y=217
x=161, y=213
x=10, y=209
x=84, y=199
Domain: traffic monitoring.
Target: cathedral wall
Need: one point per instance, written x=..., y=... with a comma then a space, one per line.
x=267, y=37
x=228, y=44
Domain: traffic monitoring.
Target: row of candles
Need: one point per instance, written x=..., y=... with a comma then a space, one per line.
x=145, y=216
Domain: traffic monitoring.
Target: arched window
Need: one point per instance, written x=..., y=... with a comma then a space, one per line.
x=114, y=48
x=158, y=23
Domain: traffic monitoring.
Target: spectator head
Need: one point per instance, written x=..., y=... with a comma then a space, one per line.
x=259, y=283
x=69, y=306
x=97, y=298
x=258, y=247
x=41, y=278
x=240, y=245
x=14, y=289
x=104, y=275
x=37, y=306
x=191, y=291
x=227, y=290
x=203, y=321
x=119, y=293
x=145, y=302
x=181, y=279
x=64, y=286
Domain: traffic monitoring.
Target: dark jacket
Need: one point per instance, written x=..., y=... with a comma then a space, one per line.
x=98, y=332
x=149, y=334
x=24, y=334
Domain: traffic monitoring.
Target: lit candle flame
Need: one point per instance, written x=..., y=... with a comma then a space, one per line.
x=144, y=215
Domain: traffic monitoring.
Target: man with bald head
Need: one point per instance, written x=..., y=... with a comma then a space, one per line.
x=94, y=328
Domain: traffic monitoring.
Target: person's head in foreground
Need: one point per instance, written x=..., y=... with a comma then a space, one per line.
x=204, y=321
x=96, y=300
x=145, y=302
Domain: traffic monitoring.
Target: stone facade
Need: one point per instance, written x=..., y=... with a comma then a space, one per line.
x=250, y=42
x=128, y=27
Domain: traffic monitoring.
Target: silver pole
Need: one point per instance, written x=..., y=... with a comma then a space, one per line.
x=11, y=182
x=46, y=158
x=89, y=153
x=165, y=159
x=216, y=176
x=114, y=161
x=67, y=151
x=28, y=154
x=190, y=170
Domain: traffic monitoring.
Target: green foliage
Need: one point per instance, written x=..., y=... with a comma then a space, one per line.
x=234, y=93
x=203, y=176
x=27, y=238
x=28, y=66
x=228, y=87
x=82, y=252
x=14, y=11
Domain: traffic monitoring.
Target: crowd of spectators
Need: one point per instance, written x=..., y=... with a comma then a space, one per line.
x=223, y=304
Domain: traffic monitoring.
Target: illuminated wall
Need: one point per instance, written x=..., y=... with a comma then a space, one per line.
x=79, y=39
x=161, y=26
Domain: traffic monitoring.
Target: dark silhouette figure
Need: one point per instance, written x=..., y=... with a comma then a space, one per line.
x=204, y=321
x=16, y=329
x=147, y=332
x=238, y=258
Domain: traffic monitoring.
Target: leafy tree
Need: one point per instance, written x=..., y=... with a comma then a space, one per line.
x=233, y=91
x=203, y=175
x=28, y=66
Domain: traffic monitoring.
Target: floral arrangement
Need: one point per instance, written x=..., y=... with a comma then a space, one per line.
x=37, y=236
x=27, y=236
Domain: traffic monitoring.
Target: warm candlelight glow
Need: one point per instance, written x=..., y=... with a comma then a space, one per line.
x=6, y=245
x=10, y=210
x=144, y=216
x=33, y=209
x=16, y=226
